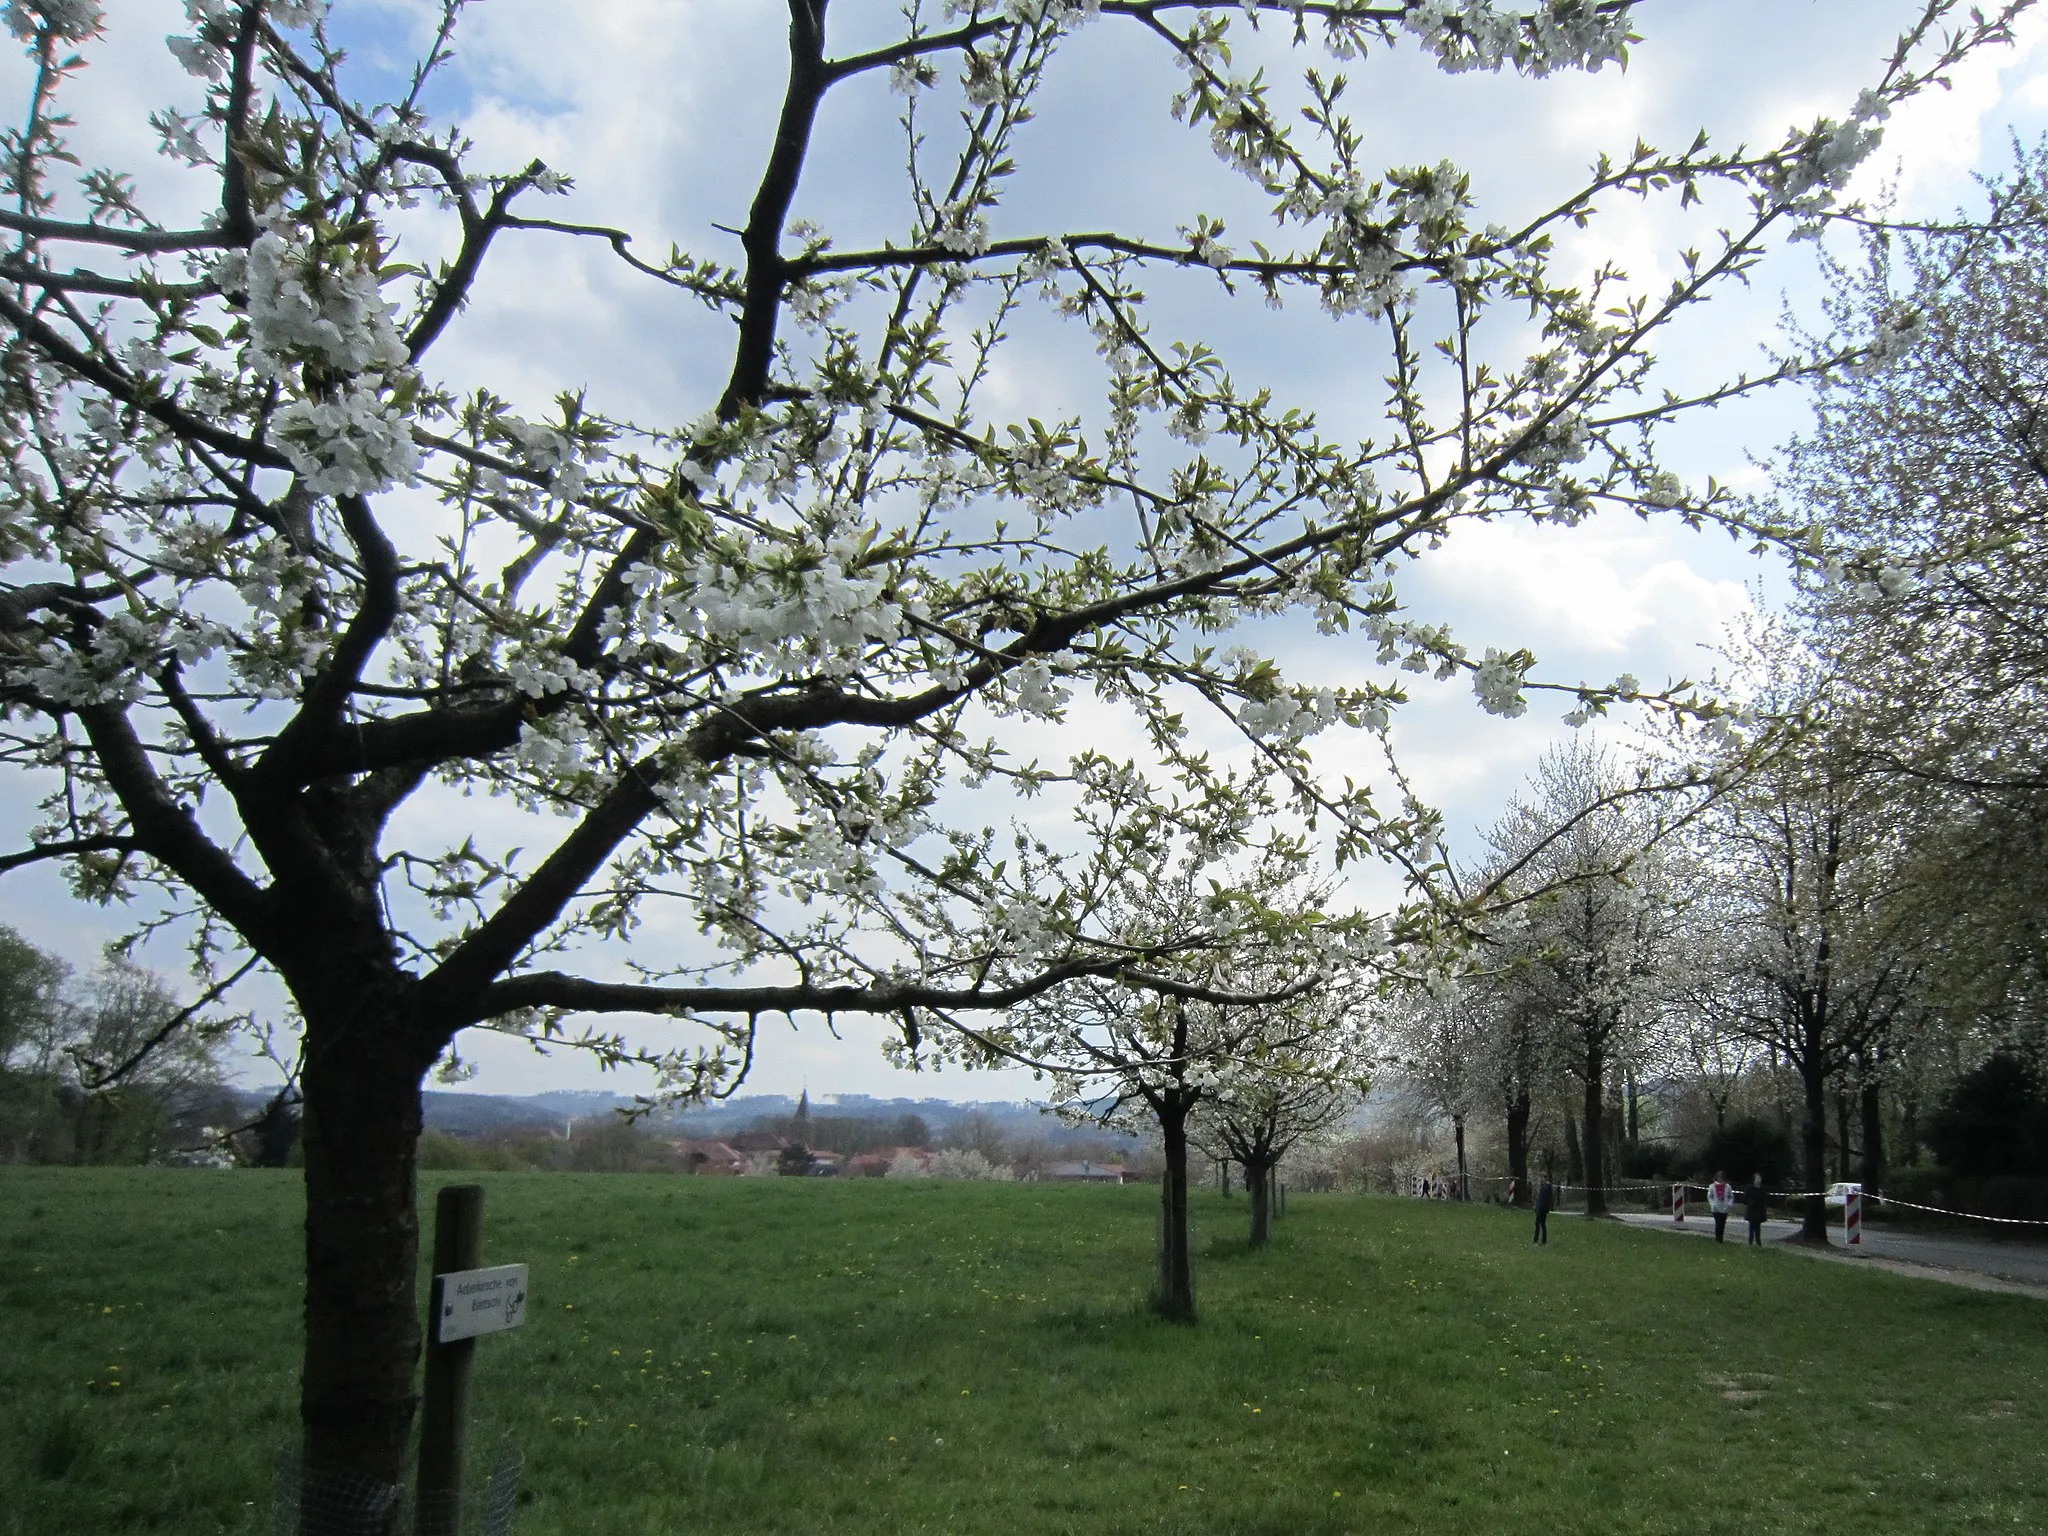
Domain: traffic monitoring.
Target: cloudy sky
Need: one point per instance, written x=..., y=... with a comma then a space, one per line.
x=662, y=111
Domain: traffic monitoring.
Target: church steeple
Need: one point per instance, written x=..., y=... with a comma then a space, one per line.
x=802, y=1122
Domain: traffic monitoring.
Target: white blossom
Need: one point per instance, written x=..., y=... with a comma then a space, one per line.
x=1291, y=717
x=1559, y=34
x=1894, y=336
x=985, y=82
x=1561, y=441
x=909, y=76
x=352, y=442
x=1025, y=926
x=1207, y=248
x=1830, y=155
x=1047, y=262
x=1033, y=691
x=71, y=21
x=301, y=309
x=298, y=13
x=179, y=141
x=207, y=61
x=1664, y=490
x=1498, y=683
x=963, y=228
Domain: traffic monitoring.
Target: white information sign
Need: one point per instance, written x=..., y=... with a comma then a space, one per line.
x=469, y=1302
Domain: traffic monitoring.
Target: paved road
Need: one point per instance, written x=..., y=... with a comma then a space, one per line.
x=2022, y=1263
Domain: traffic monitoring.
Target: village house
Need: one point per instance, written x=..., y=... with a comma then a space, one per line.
x=875, y=1164
x=1083, y=1173
x=710, y=1157
x=759, y=1150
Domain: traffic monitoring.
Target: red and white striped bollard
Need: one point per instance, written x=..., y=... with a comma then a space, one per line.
x=1678, y=1203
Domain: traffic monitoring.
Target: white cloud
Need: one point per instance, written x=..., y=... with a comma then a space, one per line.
x=1935, y=141
x=1595, y=591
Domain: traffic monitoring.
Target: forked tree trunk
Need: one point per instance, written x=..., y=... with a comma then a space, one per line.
x=1518, y=1147
x=1175, y=1296
x=1258, y=1180
x=361, y=1131
x=1591, y=1138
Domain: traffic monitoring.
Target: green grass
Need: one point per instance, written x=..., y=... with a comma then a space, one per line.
x=727, y=1356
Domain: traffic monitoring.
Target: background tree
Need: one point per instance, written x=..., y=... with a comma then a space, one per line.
x=1434, y=1036
x=1267, y=1102
x=1590, y=945
x=1241, y=1000
x=273, y=576
x=1925, y=466
x=31, y=1004
x=1823, y=941
x=111, y=1070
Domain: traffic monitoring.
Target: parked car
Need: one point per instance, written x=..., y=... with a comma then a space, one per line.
x=1838, y=1193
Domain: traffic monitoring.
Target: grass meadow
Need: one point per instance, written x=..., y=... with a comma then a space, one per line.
x=812, y=1356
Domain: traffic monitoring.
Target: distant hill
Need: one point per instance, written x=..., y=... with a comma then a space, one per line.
x=484, y=1114
x=481, y=1114
x=1013, y=1121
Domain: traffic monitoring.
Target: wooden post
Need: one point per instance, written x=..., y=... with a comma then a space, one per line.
x=444, y=1404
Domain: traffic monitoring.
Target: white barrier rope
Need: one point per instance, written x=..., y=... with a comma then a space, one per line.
x=1742, y=1190
x=2006, y=1221
x=1773, y=1194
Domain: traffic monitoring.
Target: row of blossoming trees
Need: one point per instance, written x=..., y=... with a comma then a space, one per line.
x=280, y=581
x=1841, y=926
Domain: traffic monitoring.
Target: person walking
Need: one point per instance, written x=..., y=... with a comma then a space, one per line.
x=1756, y=1204
x=1544, y=1198
x=1720, y=1200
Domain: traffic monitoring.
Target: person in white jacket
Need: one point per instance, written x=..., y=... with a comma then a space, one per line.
x=1720, y=1200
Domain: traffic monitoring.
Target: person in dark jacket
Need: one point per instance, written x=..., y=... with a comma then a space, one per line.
x=1544, y=1197
x=1756, y=1205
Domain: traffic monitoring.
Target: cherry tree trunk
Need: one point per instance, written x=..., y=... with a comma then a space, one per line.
x=1258, y=1181
x=1592, y=1139
x=1464, y=1178
x=1813, y=1226
x=1518, y=1147
x=1871, y=1171
x=1175, y=1297
x=361, y=1131
x=1845, y=1153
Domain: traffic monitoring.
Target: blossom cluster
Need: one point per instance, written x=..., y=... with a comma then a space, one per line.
x=204, y=53
x=1812, y=178
x=1558, y=35
x=348, y=441
x=1290, y=717
x=70, y=21
x=319, y=323
x=814, y=607
x=1498, y=683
